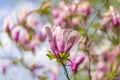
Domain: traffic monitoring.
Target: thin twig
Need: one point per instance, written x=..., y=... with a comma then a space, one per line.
x=96, y=13
x=66, y=73
x=89, y=68
x=87, y=43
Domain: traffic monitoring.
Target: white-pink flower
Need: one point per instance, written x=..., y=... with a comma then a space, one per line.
x=76, y=61
x=61, y=40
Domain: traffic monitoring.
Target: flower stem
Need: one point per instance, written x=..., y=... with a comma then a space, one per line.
x=89, y=68
x=65, y=70
x=87, y=43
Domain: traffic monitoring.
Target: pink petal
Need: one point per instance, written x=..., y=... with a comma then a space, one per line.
x=59, y=38
x=77, y=62
x=16, y=36
x=80, y=59
x=51, y=41
x=71, y=40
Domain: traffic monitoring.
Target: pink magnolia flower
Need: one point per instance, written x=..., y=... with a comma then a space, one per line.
x=9, y=23
x=22, y=28
x=16, y=37
x=42, y=34
x=84, y=8
x=101, y=66
x=61, y=40
x=112, y=54
x=33, y=44
x=18, y=34
x=34, y=21
x=116, y=20
x=26, y=39
x=60, y=14
x=102, y=69
x=6, y=66
x=6, y=25
x=76, y=61
x=112, y=17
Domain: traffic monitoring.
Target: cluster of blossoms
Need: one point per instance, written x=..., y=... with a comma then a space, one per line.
x=69, y=14
x=112, y=17
x=70, y=25
x=25, y=29
x=61, y=41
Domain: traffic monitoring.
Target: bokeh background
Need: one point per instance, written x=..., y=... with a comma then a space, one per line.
x=8, y=51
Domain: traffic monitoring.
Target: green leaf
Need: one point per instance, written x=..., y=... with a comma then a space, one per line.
x=50, y=55
x=64, y=56
x=114, y=40
x=111, y=75
x=118, y=58
x=58, y=61
x=82, y=31
x=45, y=8
x=44, y=78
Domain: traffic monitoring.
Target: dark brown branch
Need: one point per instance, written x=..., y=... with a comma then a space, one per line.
x=66, y=73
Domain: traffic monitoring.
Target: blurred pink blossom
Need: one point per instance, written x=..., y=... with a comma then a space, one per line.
x=76, y=61
x=84, y=8
x=102, y=69
x=23, y=27
x=5, y=67
x=60, y=14
x=111, y=16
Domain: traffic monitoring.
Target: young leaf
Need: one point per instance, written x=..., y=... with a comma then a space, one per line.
x=51, y=56
x=82, y=31
x=64, y=56
x=112, y=75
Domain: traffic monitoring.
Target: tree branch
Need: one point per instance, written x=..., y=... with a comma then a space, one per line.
x=66, y=73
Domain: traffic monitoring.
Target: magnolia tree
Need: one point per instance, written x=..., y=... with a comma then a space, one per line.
x=83, y=36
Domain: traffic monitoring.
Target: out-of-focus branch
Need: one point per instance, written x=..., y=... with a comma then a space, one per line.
x=87, y=43
x=96, y=13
